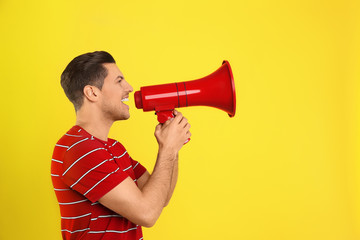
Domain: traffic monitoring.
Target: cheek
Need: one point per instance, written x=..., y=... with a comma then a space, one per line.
x=111, y=94
x=108, y=100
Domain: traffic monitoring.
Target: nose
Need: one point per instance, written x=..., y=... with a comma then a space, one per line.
x=129, y=87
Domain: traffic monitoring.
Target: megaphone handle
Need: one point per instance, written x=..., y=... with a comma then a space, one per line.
x=165, y=115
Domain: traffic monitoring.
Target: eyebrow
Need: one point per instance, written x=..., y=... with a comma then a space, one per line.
x=121, y=77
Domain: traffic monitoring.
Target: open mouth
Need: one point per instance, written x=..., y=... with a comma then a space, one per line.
x=125, y=100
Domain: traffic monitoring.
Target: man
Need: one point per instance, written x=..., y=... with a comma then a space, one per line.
x=102, y=192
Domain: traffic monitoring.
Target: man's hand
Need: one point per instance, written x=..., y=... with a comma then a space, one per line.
x=173, y=133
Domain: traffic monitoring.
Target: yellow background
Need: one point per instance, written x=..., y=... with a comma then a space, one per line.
x=285, y=167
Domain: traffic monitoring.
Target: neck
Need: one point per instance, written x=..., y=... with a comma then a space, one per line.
x=94, y=123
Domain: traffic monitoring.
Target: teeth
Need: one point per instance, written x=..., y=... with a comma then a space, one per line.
x=125, y=100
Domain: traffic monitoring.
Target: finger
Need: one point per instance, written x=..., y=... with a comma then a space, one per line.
x=168, y=122
x=178, y=117
x=188, y=134
x=183, y=121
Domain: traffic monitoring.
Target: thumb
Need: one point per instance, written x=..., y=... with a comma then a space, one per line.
x=158, y=127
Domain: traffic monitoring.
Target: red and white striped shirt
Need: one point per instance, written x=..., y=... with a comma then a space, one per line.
x=83, y=169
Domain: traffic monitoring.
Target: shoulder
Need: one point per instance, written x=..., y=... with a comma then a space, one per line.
x=77, y=140
x=84, y=155
x=70, y=137
x=114, y=144
x=79, y=145
x=85, y=146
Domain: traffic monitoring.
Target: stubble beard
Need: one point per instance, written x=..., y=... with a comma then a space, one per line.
x=115, y=113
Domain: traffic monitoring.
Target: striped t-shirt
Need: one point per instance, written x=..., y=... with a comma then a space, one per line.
x=83, y=169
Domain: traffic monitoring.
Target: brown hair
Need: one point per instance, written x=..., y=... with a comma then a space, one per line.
x=86, y=69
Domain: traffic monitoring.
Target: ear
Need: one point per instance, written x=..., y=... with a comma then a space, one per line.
x=92, y=93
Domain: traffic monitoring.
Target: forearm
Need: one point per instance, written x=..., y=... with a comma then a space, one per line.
x=174, y=177
x=156, y=190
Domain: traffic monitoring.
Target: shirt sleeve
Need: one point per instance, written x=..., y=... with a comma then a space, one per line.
x=139, y=169
x=90, y=170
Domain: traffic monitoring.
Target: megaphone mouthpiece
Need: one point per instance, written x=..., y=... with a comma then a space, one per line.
x=138, y=101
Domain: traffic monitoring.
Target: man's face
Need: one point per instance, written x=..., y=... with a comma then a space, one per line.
x=114, y=93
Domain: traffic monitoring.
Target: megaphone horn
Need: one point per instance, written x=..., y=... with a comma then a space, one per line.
x=215, y=90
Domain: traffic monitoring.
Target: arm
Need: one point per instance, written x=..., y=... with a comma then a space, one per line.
x=143, y=180
x=145, y=177
x=143, y=206
x=174, y=178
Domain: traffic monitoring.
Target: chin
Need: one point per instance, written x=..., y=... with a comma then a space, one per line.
x=123, y=117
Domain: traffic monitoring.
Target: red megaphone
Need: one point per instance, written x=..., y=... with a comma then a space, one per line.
x=215, y=90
